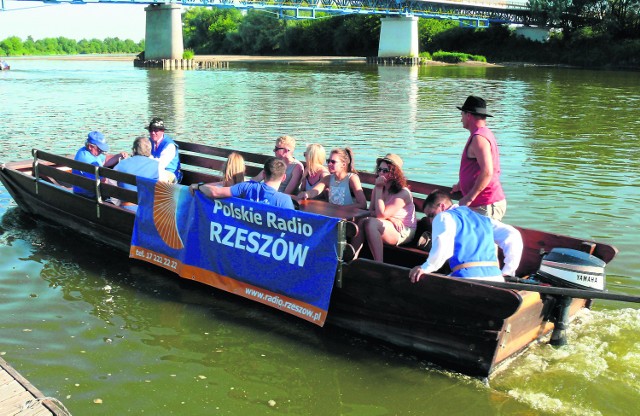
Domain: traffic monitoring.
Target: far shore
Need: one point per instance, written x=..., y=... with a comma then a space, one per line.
x=232, y=58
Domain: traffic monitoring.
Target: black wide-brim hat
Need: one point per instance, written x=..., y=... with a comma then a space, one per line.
x=475, y=105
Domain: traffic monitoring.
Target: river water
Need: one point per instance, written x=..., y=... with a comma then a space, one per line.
x=107, y=336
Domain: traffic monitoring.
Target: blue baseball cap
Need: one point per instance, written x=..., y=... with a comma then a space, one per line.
x=97, y=138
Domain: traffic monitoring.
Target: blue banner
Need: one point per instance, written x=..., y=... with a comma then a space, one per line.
x=279, y=257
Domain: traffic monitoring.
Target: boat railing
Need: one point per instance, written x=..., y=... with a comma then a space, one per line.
x=202, y=163
x=57, y=170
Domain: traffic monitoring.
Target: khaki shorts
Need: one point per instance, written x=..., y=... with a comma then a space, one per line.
x=406, y=235
x=495, y=210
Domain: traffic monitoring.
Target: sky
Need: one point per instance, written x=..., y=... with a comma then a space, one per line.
x=83, y=21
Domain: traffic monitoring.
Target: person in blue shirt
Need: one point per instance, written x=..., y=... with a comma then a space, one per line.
x=265, y=192
x=164, y=149
x=140, y=164
x=94, y=152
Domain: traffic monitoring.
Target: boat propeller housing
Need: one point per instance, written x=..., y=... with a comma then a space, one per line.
x=566, y=267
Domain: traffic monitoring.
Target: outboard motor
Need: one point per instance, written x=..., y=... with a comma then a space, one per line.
x=566, y=267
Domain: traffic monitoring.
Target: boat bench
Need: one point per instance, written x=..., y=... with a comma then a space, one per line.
x=57, y=170
x=202, y=163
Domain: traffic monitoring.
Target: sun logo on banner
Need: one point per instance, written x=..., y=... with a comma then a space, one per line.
x=164, y=214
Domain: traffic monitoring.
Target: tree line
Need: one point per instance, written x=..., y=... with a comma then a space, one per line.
x=15, y=46
x=590, y=33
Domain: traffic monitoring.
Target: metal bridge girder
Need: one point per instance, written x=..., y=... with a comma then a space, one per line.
x=489, y=11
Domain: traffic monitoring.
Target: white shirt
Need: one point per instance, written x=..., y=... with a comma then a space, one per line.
x=443, y=233
x=167, y=155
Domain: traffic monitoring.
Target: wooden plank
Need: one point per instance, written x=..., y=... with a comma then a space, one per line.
x=19, y=397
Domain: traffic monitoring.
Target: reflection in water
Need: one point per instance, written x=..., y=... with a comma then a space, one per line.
x=166, y=97
x=403, y=81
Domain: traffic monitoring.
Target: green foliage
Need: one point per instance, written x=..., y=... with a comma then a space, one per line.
x=456, y=57
x=188, y=54
x=357, y=35
x=207, y=31
x=14, y=46
x=428, y=28
x=425, y=55
x=261, y=33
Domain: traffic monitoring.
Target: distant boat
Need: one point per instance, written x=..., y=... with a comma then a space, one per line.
x=4, y=66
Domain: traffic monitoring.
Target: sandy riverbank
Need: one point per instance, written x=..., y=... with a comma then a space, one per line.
x=227, y=58
x=236, y=58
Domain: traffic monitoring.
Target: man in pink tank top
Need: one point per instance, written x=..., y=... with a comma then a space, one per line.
x=479, y=177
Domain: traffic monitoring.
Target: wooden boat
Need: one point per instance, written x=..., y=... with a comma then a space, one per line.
x=462, y=325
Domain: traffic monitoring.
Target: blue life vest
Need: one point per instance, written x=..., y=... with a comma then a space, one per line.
x=174, y=165
x=473, y=243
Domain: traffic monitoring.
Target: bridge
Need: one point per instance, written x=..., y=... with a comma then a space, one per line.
x=398, y=33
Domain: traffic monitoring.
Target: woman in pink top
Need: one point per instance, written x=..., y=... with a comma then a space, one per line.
x=393, y=214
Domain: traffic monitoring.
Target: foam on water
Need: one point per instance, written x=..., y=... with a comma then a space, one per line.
x=602, y=351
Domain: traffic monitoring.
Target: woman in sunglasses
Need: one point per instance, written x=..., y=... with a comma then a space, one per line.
x=393, y=214
x=342, y=182
x=285, y=146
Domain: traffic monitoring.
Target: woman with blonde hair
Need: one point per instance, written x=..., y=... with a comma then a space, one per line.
x=315, y=169
x=285, y=146
x=232, y=170
x=343, y=182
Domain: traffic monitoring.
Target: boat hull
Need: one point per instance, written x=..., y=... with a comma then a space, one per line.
x=457, y=324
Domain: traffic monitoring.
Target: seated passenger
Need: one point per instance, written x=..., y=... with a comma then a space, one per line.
x=315, y=169
x=94, y=152
x=343, y=182
x=393, y=214
x=285, y=145
x=265, y=192
x=466, y=239
x=232, y=170
x=140, y=164
x=164, y=149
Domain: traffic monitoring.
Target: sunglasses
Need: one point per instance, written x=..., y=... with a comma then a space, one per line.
x=383, y=170
x=331, y=161
x=155, y=130
x=275, y=149
x=100, y=151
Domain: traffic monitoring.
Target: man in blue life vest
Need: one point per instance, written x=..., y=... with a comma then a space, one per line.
x=164, y=149
x=94, y=152
x=467, y=239
x=265, y=192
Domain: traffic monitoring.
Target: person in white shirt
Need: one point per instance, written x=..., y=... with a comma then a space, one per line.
x=467, y=240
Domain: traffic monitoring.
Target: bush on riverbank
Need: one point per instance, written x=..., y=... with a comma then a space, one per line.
x=456, y=57
x=501, y=44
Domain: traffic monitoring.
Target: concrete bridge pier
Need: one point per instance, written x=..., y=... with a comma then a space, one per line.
x=398, y=37
x=163, y=32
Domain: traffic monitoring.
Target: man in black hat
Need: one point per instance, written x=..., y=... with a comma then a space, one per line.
x=479, y=176
x=164, y=149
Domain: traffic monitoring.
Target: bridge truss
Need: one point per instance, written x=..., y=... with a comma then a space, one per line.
x=467, y=12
